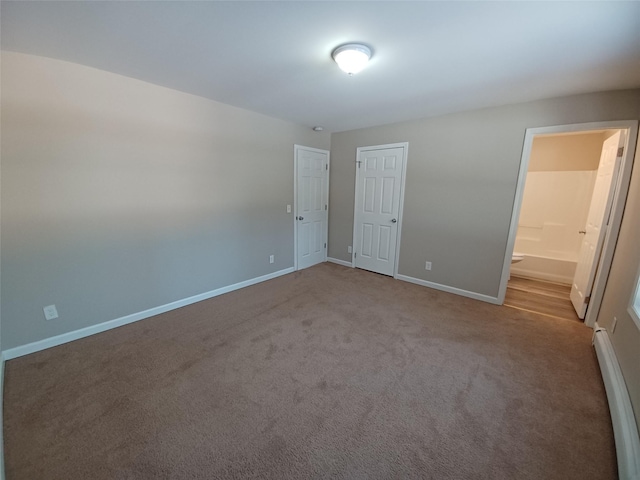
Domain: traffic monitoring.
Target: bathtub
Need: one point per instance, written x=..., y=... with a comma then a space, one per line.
x=558, y=270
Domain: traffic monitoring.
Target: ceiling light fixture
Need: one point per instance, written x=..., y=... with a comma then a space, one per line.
x=352, y=57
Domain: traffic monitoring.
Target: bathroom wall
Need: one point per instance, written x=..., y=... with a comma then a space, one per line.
x=557, y=195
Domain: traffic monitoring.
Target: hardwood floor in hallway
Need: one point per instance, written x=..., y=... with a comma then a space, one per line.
x=545, y=298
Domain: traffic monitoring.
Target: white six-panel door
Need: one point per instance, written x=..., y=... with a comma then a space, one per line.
x=379, y=178
x=312, y=176
x=597, y=220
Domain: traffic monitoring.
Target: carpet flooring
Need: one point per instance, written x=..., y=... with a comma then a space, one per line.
x=329, y=372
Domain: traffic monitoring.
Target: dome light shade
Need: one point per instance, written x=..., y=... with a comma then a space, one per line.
x=352, y=57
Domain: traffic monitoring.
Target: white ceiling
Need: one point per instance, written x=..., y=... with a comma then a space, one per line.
x=429, y=58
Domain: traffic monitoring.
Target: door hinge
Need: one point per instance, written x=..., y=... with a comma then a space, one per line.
x=358, y=162
x=325, y=245
x=586, y=300
x=326, y=166
x=326, y=207
x=620, y=151
x=355, y=254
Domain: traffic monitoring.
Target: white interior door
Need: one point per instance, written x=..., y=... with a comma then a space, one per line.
x=311, y=208
x=379, y=178
x=597, y=223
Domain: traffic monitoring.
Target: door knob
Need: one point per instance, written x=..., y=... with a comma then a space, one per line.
x=393, y=220
x=582, y=232
x=300, y=218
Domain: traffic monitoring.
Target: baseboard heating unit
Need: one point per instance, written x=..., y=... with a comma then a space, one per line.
x=625, y=429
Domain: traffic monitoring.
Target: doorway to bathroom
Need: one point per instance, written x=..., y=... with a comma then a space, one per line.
x=567, y=210
x=558, y=196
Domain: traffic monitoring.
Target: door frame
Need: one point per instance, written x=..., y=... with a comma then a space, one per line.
x=296, y=148
x=621, y=186
x=584, y=283
x=403, y=176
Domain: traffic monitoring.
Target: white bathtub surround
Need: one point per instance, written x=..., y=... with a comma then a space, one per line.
x=557, y=270
x=517, y=257
x=554, y=211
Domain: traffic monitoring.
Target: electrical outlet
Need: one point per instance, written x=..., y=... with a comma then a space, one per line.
x=50, y=312
x=613, y=324
x=427, y=266
x=272, y=258
x=349, y=249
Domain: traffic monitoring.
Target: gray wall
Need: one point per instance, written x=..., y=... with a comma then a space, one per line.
x=461, y=179
x=617, y=296
x=119, y=195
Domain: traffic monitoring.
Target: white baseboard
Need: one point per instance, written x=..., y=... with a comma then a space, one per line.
x=1, y=416
x=625, y=429
x=118, y=322
x=339, y=262
x=446, y=288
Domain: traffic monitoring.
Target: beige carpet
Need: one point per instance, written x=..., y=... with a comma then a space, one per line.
x=329, y=372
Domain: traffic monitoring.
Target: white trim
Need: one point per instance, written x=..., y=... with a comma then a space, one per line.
x=634, y=301
x=515, y=214
x=339, y=262
x=446, y=288
x=405, y=154
x=401, y=210
x=297, y=147
x=633, y=313
x=615, y=222
x=2, y=359
x=608, y=249
x=118, y=322
x=625, y=429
